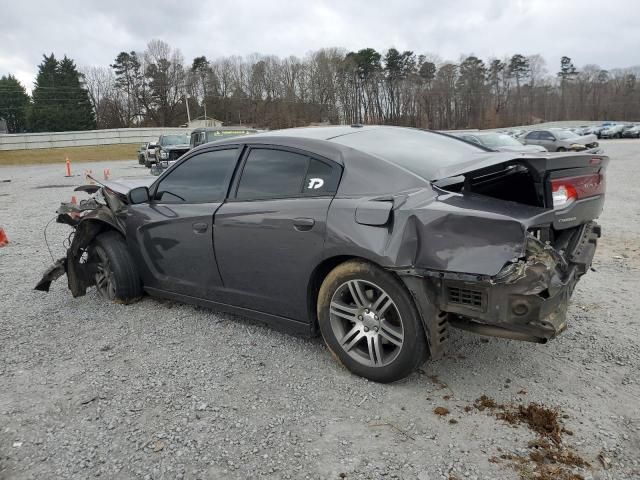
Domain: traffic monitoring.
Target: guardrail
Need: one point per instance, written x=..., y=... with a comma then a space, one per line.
x=27, y=141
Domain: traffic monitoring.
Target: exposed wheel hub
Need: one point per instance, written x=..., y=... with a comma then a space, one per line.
x=370, y=321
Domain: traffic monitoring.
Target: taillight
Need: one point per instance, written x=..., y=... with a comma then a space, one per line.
x=567, y=190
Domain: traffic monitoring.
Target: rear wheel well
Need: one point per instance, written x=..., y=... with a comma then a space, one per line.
x=317, y=277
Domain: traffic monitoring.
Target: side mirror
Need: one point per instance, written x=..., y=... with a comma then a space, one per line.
x=138, y=195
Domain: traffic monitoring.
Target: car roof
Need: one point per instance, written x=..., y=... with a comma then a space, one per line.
x=378, y=160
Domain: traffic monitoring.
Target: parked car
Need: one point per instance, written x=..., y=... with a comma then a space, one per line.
x=517, y=133
x=581, y=130
x=150, y=154
x=633, y=132
x=200, y=136
x=560, y=140
x=379, y=238
x=598, y=129
x=613, y=131
x=499, y=142
x=172, y=146
x=141, y=151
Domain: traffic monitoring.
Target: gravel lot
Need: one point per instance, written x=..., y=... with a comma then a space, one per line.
x=160, y=390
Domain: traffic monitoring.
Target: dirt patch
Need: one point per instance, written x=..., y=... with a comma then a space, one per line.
x=485, y=402
x=442, y=411
x=549, y=458
x=539, y=418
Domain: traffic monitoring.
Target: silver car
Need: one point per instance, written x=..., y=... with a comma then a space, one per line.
x=500, y=142
x=614, y=131
x=560, y=140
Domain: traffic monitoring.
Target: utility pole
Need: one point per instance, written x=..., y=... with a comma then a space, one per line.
x=186, y=100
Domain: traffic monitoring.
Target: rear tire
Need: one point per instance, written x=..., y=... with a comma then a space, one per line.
x=116, y=276
x=370, y=323
x=561, y=149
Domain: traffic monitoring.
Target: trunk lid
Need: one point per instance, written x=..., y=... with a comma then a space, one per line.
x=541, y=181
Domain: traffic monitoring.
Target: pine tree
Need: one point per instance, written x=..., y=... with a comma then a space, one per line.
x=60, y=101
x=14, y=103
x=45, y=114
x=77, y=112
x=130, y=81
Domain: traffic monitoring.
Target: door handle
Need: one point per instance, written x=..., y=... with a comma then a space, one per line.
x=200, y=227
x=303, y=224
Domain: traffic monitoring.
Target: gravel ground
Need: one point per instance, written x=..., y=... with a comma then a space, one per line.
x=160, y=390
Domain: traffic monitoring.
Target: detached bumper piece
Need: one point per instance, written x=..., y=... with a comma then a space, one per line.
x=527, y=300
x=54, y=272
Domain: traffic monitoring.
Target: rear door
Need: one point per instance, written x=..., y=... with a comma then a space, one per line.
x=173, y=234
x=547, y=140
x=532, y=138
x=270, y=235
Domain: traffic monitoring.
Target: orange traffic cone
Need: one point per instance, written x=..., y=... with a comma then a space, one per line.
x=106, y=173
x=68, y=167
x=74, y=200
x=3, y=238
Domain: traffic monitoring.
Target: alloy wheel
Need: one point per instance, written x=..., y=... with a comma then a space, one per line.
x=366, y=323
x=105, y=281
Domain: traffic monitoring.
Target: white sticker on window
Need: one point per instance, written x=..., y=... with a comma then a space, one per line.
x=315, y=183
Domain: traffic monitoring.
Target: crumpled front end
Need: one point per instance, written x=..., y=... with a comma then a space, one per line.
x=88, y=219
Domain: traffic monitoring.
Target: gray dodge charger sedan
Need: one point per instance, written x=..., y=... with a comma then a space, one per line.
x=379, y=238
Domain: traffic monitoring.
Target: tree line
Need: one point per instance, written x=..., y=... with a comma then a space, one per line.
x=157, y=87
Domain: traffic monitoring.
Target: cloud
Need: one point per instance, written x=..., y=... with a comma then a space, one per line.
x=93, y=33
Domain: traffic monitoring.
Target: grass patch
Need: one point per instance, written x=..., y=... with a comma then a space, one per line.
x=95, y=153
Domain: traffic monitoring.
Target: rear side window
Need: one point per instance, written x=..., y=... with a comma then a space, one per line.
x=203, y=178
x=321, y=178
x=545, y=136
x=272, y=173
x=532, y=136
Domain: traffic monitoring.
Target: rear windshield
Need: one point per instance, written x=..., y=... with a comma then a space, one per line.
x=564, y=134
x=419, y=151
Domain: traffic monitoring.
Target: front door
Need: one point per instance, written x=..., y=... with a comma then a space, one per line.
x=173, y=234
x=270, y=235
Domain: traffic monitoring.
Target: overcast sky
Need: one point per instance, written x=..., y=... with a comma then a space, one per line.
x=92, y=32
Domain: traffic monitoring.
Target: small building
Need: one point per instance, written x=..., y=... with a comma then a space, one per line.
x=204, y=122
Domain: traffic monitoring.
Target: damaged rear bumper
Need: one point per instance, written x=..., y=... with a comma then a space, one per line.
x=526, y=300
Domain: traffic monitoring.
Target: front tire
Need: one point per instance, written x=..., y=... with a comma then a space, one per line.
x=116, y=276
x=370, y=323
x=561, y=149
